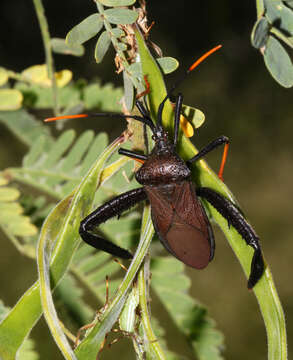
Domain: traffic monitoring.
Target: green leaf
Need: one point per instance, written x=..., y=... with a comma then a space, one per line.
x=102, y=46
x=157, y=85
x=289, y=3
x=152, y=346
x=3, y=76
x=65, y=216
x=171, y=286
x=135, y=69
x=89, y=347
x=68, y=298
x=264, y=290
x=85, y=30
x=121, y=16
x=59, y=46
x=128, y=314
x=168, y=64
x=91, y=268
x=278, y=62
x=41, y=98
x=117, y=2
x=24, y=126
x=10, y=99
x=54, y=169
x=117, y=32
x=279, y=15
x=195, y=116
x=27, y=351
x=104, y=98
x=260, y=33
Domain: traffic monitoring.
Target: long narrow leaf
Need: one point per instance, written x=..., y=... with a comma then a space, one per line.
x=89, y=347
x=265, y=290
x=62, y=224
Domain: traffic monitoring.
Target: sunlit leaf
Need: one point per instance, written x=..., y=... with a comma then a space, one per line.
x=8, y=194
x=3, y=76
x=12, y=220
x=63, y=77
x=38, y=74
x=195, y=116
x=10, y=99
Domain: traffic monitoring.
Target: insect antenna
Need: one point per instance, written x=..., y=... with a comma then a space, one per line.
x=188, y=71
x=144, y=119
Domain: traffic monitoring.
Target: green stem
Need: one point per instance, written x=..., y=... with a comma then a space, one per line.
x=260, y=9
x=48, y=51
x=115, y=43
x=281, y=36
x=154, y=346
x=89, y=347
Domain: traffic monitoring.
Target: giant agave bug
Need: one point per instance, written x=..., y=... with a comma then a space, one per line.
x=177, y=213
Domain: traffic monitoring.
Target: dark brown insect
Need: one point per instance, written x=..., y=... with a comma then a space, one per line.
x=177, y=213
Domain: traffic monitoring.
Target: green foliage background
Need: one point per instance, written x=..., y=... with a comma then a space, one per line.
x=239, y=99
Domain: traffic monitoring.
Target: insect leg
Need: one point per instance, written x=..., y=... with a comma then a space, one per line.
x=178, y=109
x=234, y=217
x=211, y=146
x=110, y=209
x=142, y=109
x=132, y=154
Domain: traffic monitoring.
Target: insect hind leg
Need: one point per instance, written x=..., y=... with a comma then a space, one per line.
x=110, y=209
x=235, y=218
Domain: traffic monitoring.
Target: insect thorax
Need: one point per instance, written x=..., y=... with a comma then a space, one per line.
x=162, y=167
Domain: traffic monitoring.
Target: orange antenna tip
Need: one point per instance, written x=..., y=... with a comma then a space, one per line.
x=203, y=57
x=66, y=117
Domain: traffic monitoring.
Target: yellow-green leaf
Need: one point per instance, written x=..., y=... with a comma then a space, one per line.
x=63, y=77
x=38, y=74
x=3, y=76
x=10, y=99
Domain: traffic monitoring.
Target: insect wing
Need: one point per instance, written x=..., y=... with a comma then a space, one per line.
x=181, y=223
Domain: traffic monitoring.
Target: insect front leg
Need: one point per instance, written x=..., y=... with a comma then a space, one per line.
x=208, y=148
x=235, y=218
x=110, y=209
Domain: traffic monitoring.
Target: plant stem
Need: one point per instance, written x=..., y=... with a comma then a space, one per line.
x=153, y=344
x=259, y=8
x=48, y=51
x=115, y=43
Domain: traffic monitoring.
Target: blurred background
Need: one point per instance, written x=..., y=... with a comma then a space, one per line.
x=240, y=100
